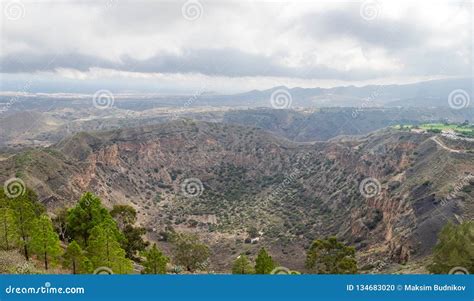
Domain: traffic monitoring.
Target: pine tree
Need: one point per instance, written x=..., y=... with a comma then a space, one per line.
x=242, y=265
x=18, y=214
x=123, y=265
x=9, y=236
x=86, y=266
x=455, y=248
x=264, y=263
x=87, y=214
x=74, y=258
x=44, y=240
x=104, y=248
x=124, y=215
x=190, y=252
x=25, y=212
x=133, y=242
x=155, y=262
x=329, y=256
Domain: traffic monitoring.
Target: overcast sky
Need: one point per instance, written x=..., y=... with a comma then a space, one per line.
x=230, y=46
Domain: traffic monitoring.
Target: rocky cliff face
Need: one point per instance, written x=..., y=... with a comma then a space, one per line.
x=385, y=193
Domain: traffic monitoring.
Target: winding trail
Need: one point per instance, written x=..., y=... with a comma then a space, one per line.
x=441, y=143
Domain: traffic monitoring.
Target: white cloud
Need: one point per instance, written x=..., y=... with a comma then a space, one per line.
x=247, y=43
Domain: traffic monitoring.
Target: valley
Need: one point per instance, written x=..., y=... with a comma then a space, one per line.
x=267, y=144
x=386, y=191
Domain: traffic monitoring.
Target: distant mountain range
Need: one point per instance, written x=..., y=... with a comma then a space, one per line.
x=434, y=93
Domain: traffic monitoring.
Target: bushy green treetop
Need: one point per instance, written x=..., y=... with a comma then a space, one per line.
x=44, y=240
x=190, y=252
x=104, y=249
x=242, y=265
x=329, y=256
x=455, y=248
x=264, y=263
x=87, y=214
x=155, y=262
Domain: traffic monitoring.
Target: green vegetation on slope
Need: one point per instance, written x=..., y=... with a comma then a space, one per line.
x=463, y=129
x=455, y=249
x=96, y=238
x=328, y=256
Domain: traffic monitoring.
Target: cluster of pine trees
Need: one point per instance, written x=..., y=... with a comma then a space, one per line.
x=325, y=256
x=25, y=225
x=88, y=236
x=264, y=264
x=82, y=238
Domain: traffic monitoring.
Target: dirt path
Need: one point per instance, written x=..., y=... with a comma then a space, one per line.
x=441, y=143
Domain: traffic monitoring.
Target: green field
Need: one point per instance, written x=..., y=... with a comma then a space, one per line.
x=461, y=129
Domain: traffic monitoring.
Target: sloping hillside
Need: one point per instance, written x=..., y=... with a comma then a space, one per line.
x=387, y=193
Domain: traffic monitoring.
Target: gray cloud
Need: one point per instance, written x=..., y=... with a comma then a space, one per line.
x=231, y=63
x=211, y=62
x=405, y=40
x=347, y=23
x=26, y=62
x=234, y=40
